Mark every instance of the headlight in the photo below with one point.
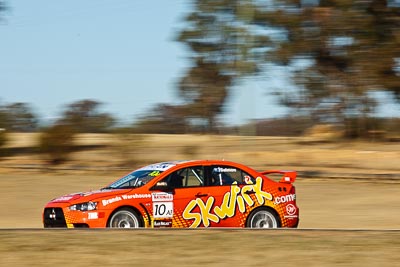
(84, 206)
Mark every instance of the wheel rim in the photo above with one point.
(124, 219)
(263, 219)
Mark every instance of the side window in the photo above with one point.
(187, 177)
(227, 175)
(194, 176)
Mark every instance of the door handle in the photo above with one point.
(201, 195)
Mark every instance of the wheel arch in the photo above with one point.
(132, 208)
(269, 208)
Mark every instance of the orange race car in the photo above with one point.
(198, 193)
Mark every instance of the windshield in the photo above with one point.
(135, 179)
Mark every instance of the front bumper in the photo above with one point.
(58, 217)
(54, 218)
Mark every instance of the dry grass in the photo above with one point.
(336, 203)
(303, 153)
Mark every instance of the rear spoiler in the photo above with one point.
(288, 176)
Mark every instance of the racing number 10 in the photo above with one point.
(163, 210)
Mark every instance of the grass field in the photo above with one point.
(346, 202)
(104, 152)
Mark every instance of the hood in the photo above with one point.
(88, 196)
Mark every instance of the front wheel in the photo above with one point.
(263, 218)
(124, 218)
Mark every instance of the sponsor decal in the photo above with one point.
(61, 199)
(105, 202)
(284, 199)
(93, 216)
(291, 211)
(163, 207)
(237, 197)
(162, 196)
(155, 173)
(136, 196)
(162, 183)
(219, 169)
(159, 166)
(163, 223)
(247, 179)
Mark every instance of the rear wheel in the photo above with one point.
(263, 218)
(125, 218)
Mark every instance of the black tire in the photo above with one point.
(125, 218)
(263, 218)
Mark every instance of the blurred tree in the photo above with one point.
(84, 117)
(3, 118)
(165, 119)
(3, 141)
(57, 142)
(3, 6)
(205, 90)
(3, 115)
(352, 48)
(386, 33)
(18, 117)
(129, 147)
(225, 47)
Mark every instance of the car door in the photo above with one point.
(225, 183)
(213, 202)
(186, 185)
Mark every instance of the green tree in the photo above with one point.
(224, 47)
(84, 116)
(353, 48)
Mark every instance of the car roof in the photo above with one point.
(166, 165)
(162, 166)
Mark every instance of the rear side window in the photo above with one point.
(227, 175)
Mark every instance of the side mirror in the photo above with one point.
(162, 186)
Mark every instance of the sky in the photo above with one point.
(121, 53)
